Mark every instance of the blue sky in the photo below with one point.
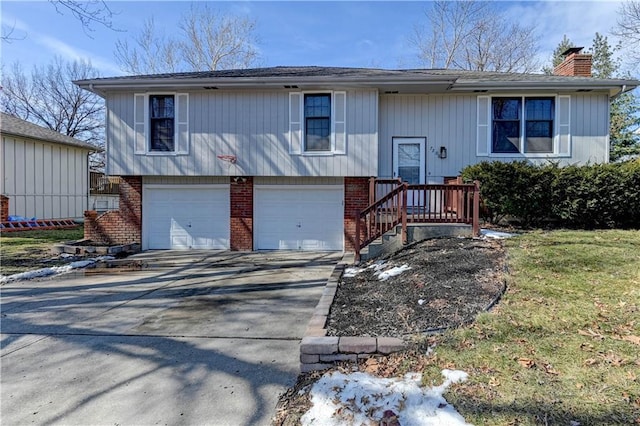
(352, 34)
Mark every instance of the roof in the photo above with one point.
(11, 125)
(402, 81)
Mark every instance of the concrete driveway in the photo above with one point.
(195, 338)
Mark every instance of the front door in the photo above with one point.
(409, 164)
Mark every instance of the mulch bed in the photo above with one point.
(451, 280)
(455, 278)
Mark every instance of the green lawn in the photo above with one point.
(24, 251)
(563, 345)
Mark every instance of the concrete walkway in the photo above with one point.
(207, 338)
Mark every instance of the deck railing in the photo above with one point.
(404, 204)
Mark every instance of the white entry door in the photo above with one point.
(409, 164)
(297, 217)
(185, 217)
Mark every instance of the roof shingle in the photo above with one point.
(14, 126)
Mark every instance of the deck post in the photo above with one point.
(372, 190)
(476, 209)
(403, 212)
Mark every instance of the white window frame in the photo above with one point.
(333, 121)
(556, 128)
(176, 125)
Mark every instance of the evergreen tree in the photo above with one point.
(557, 57)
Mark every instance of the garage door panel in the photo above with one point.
(299, 218)
(186, 217)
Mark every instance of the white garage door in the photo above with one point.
(299, 218)
(186, 217)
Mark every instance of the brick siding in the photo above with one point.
(356, 199)
(241, 221)
(122, 226)
(4, 208)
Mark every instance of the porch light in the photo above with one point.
(443, 152)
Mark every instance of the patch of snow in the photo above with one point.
(53, 270)
(488, 233)
(104, 258)
(359, 398)
(378, 265)
(396, 270)
(351, 272)
(421, 302)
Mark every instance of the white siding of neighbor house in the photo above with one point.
(44, 180)
(450, 121)
(253, 126)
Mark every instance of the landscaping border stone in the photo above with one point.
(319, 351)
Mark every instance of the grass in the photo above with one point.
(24, 251)
(563, 345)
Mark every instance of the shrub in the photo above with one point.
(592, 196)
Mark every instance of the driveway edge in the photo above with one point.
(319, 351)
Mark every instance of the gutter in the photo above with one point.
(623, 89)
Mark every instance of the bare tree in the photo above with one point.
(628, 27)
(207, 40)
(8, 34)
(151, 52)
(87, 12)
(214, 41)
(48, 97)
(469, 35)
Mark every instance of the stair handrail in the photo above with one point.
(399, 215)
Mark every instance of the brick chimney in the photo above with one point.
(575, 63)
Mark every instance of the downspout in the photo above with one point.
(622, 90)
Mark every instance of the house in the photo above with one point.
(45, 174)
(280, 158)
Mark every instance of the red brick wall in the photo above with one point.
(356, 199)
(120, 226)
(4, 208)
(241, 197)
(575, 64)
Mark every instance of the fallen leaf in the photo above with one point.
(633, 339)
(579, 385)
(590, 361)
(526, 362)
(591, 333)
(548, 368)
(494, 382)
(371, 365)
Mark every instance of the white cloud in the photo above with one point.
(578, 20)
(69, 52)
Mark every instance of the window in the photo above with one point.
(522, 125)
(317, 122)
(161, 123)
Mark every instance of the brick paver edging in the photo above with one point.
(319, 351)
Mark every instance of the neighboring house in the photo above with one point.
(280, 158)
(104, 192)
(45, 174)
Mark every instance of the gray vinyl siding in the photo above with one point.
(44, 180)
(266, 180)
(253, 126)
(450, 121)
(185, 180)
